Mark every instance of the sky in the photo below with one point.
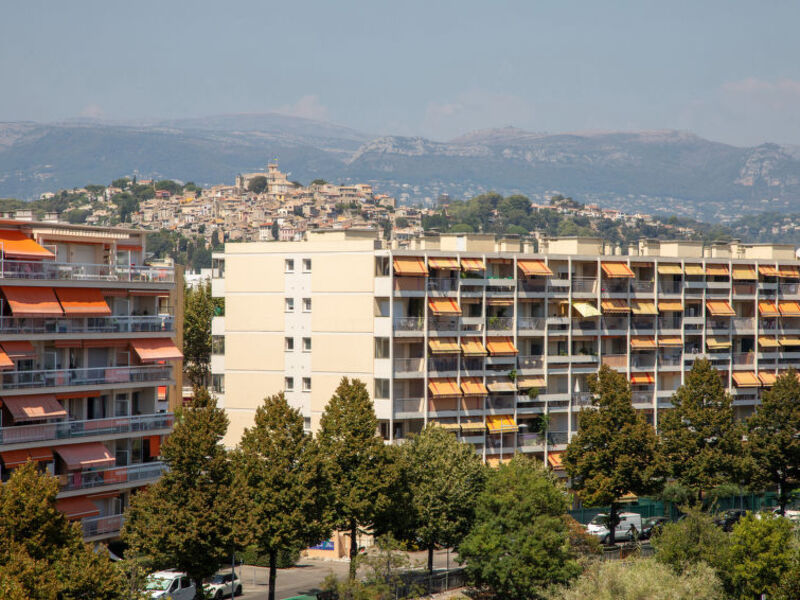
(726, 70)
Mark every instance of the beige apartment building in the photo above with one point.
(459, 329)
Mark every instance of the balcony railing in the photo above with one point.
(440, 365)
(526, 285)
(669, 360)
(744, 289)
(94, 526)
(744, 358)
(642, 397)
(642, 362)
(531, 439)
(611, 286)
(642, 287)
(558, 437)
(743, 324)
(500, 403)
(581, 399)
(584, 285)
(408, 365)
(120, 324)
(409, 405)
(531, 362)
(615, 322)
(669, 287)
(18, 380)
(535, 323)
(669, 323)
(84, 480)
(789, 289)
(23, 269)
(409, 323)
(616, 361)
(579, 325)
(500, 323)
(443, 324)
(442, 284)
(65, 430)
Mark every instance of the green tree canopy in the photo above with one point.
(257, 184)
(692, 540)
(615, 451)
(173, 187)
(121, 183)
(462, 228)
(197, 314)
(127, 204)
(519, 543)
(319, 182)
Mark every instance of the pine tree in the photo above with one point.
(615, 452)
(701, 441)
(184, 521)
(281, 477)
(444, 477)
(357, 468)
(773, 435)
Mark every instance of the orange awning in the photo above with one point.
(443, 345)
(531, 381)
(501, 424)
(643, 342)
(744, 272)
(501, 385)
(670, 269)
(555, 459)
(83, 302)
(152, 350)
(410, 265)
(472, 347)
(642, 379)
(746, 379)
(15, 458)
(767, 378)
(790, 272)
(534, 267)
(767, 308)
(644, 307)
(789, 309)
(670, 305)
(472, 264)
(442, 263)
(501, 346)
(669, 340)
(91, 455)
(718, 343)
(28, 301)
(694, 270)
(473, 386)
(445, 387)
(34, 408)
(77, 507)
(500, 301)
(720, 270)
(616, 269)
(615, 305)
(5, 361)
(15, 244)
(768, 342)
(444, 306)
(768, 270)
(720, 308)
(19, 350)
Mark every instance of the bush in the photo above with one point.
(286, 558)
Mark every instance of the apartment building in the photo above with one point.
(88, 363)
(459, 329)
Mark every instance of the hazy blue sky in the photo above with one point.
(727, 70)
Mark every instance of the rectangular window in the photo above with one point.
(307, 423)
(306, 344)
(289, 265)
(384, 428)
(217, 344)
(381, 347)
(306, 304)
(288, 384)
(306, 265)
(381, 307)
(289, 304)
(218, 383)
(288, 344)
(381, 266)
(306, 384)
(381, 388)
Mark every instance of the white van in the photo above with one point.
(170, 585)
(629, 527)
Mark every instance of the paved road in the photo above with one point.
(308, 575)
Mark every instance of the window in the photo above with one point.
(288, 344)
(289, 304)
(288, 383)
(307, 423)
(289, 265)
(306, 265)
(217, 344)
(381, 347)
(382, 307)
(384, 429)
(218, 383)
(306, 344)
(381, 388)
(306, 384)
(306, 304)
(381, 266)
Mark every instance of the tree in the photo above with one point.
(444, 477)
(197, 314)
(127, 204)
(615, 451)
(121, 183)
(77, 215)
(519, 543)
(701, 441)
(186, 519)
(692, 540)
(173, 187)
(462, 228)
(641, 579)
(401, 222)
(257, 184)
(42, 555)
(356, 463)
(281, 479)
(773, 435)
(319, 182)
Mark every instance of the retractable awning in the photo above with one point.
(444, 306)
(670, 306)
(91, 455)
(472, 264)
(435, 262)
(789, 308)
(411, 266)
(19, 350)
(501, 385)
(83, 302)
(745, 379)
(615, 305)
(767, 378)
(747, 272)
(768, 342)
(444, 388)
(788, 271)
(585, 309)
(670, 340)
(34, 408)
(694, 270)
(670, 270)
(156, 349)
(717, 270)
(720, 308)
(555, 460)
(534, 267)
(472, 347)
(642, 379)
(616, 269)
(643, 343)
(503, 346)
(28, 301)
(77, 507)
(473, 386)
(15, 244)
(718, 343)
(767, 308)
(501, 424)
(443, 345)
(500, 301)
(5, 361)
(528, 382)
(768, 270)
(789, 340)
(473, 426)
(15, 458)
(644, 307)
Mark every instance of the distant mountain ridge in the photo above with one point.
(661, 172)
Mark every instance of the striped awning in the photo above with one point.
(768, 342)
(746, 272)
(670, 305)
(670, 340)
(585, 309)
(503, 346)
(410, 266)
(767, 308)
(717, 270)
(472, 264)
(530, 268)
(616, 269)
(615, 305)
(720, 308)
(473, 386)
(642, 379)
(643, 342)
(715, 343)
(670, 270)
(745, 379)
(768, 270)
(443, 345)
(789, 308)
(789, 340)
(536, 381)
(767, 378)
(473, 426)
(435, 262)
(555, 460)
(694, 270)
(472, 347)
(644, 307)
(788, 271)
(501, 424)
(444, 388)
(444, 306)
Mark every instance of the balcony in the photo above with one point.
(70, 430)
(409, 365)
(500, 403)
(528, 440)
(96, 527)
(669, 288)
(584, 285)
(499, 323)
(558, 438)
(115, 476)
(442, 285)
(744, 289)
(744, 359)
(500, 287)
(443, 324)
(642, 361)
(442, 365)
(718, 325)
(585, 326)
(531, 323)
(58, 378)
(409, 405)
(416, 324)
(611, 287)
(532, 286)
(642, 397)
(616, 361)
(642, 287)
(643, 324)
(410, 284)
(669, 323)
(582, 399)
(789, 289)
(120, 324)
(615, 323)
(743, 324)
(559, 287)
(45, 270)
(531, 362)
(669, 360)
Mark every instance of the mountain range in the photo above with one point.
(659, 172)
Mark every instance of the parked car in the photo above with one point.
(628, 528)
(652, 525)
(223, 584)
(170, 585)
(729, 518)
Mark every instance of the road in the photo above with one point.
(308, 575)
